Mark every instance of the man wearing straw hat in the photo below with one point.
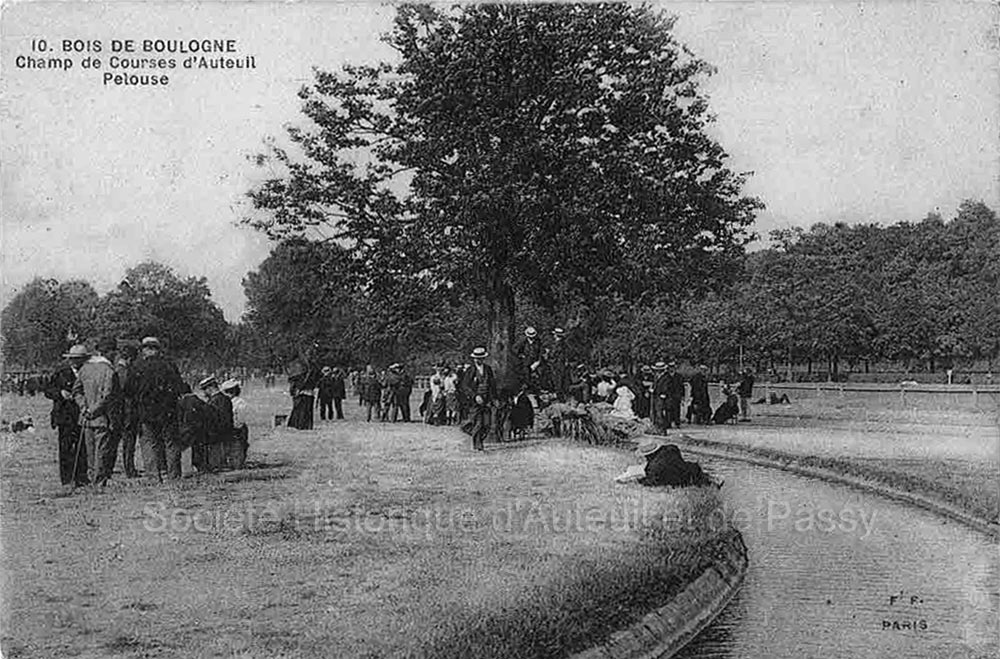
(65, 418)
(659, 400)
(480, 388)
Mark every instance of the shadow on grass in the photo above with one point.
(580, 607)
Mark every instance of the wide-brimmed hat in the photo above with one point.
(647, 449)
(530, 332)
(150, 341)
(393, 367)
(231, 383)
(79, 350)
(479, 353)
(660, 366)
(210, 381)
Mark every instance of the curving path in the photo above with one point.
(839, 573)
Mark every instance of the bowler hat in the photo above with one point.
(479, 353)
(79, 350)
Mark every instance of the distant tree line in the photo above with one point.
(923, 296)
(46, 316)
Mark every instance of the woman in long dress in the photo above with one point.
(303, 391)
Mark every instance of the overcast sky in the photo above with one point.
(878, 113)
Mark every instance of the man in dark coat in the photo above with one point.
(65, 418)
(325, 394)
(128, 421)
(558, 363)
(480, 389)
(675, 393)
(745, 391)
(155, 385)
(644, 392)
(528, 356)
(666, 467)
(339, 392)
(659, 399)
(701, 406)
(404, 389)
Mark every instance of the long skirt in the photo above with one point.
(302, 412)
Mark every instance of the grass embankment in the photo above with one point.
(353, 539)
(948, 455)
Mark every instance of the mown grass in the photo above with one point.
(362, 540)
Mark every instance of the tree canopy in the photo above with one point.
(550, 151)
(46, 316)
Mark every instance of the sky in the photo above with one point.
(843, 112)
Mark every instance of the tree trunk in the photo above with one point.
(500, 325)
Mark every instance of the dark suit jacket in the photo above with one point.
(64, 412)
(471, 381)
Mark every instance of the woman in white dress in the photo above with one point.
(623, 402)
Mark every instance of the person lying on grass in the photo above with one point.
(664, 466)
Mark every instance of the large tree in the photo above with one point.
(549, 150)
(44, 317)
(302, 295)
(153, 300)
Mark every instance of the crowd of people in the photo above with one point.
(542, 373)
(117, 396)
(107, 400)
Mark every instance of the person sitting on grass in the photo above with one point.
(664, 467)
(730, 407)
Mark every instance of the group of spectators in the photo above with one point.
(115, 396)
(541, 374)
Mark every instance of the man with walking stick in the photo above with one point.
(65, 418)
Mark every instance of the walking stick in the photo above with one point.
(76, 459)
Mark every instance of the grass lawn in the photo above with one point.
(948, 453)
(353, 539)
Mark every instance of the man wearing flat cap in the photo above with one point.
(155, 385)
(480, 388)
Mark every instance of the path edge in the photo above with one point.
(790, 463)
(666, 630)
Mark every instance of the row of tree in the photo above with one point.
(46, 316)
(922, 295)
(914, 295)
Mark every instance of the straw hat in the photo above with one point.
(647, 449)
(231, 383)
(79, 350)
(210, 381)
(530, 332)
(479, 353)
